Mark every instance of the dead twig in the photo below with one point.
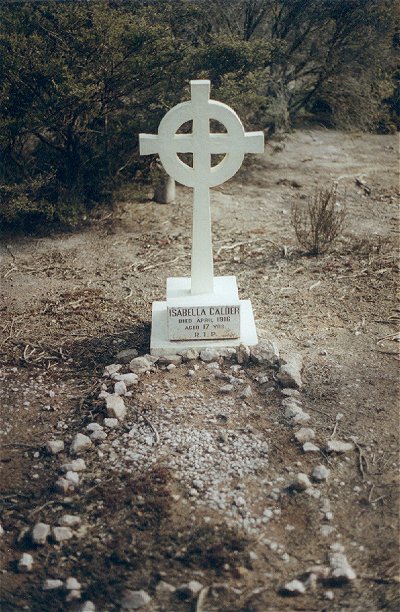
(361, 458)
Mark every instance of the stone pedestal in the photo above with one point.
(215, 320)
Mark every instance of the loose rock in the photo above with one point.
(243, 354)
(61, 534)
(289, 374)
(129, 379)
(126, 355)
(190, 590)
(54, 447)
(77, 465)
(50, 584)
(226, 389)
(72, 584)
(170, 359)
(111, 423)
(320, 473)
(98, 436)
(336, 446)
(63, 485)
(88, 606)
(69, 520)
(40, 533)
(294, 587)
(266, 352)
(342, 571)
(246, 393)
(189, 355)
(133, 600)
(72, 477)
(116, 407)
(208, 355)
(112, 369)
(309, 447)
(25, 564)
(120, 388)
(305, 434)
(165, 588)
(140, 365)
(301, 482)
(80, 443)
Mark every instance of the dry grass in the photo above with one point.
(319, 223)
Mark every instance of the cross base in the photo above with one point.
(215, 320)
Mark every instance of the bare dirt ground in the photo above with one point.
(70, 302)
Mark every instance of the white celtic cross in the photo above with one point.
(202, 144)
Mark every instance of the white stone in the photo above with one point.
(73, 594)
(226, 389)
(170, 360)
(165, 588)
(320, 473)
(246, 393)
(302, 417)
(305, 434)
(336, 446)
(295, 587)
(50, 584)
(94, 427)
(69, 520)
(191, 589)
(140, 365)
(243, 354)
(120, 388)
(115, 407)
(98, 436)
(77, 465)
(111, 423)
(301, 482)
(72, 477)
(342, 571)
(87, 606)
(266, 352)
(80, 443)
(72, 584)
(112, 369)
(189, 354)
(61, 534)
(209, 355)
(40, 533)
(25, 564)
(55, 446)
(129, 379)
(134, 600)
(63, 485)
(293, 410)
(309, 447)
(1, 531)
(289, 374)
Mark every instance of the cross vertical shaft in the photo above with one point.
(202, 272)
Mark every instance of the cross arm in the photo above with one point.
(148, 144)
(254, 142)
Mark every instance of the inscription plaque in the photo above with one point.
(204, 322)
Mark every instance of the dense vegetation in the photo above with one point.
(80, 80)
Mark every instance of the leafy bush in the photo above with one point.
(320, 222)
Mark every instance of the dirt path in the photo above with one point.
(70, 302)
